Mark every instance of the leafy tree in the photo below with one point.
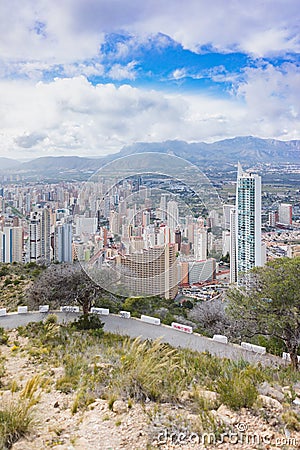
(64, 284)
(270, 305)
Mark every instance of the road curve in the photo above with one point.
(136, 328)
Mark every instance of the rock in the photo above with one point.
(119, 407)
(270, 402)
(184, 396)
(287, 391)
(269, 391)
(225, 415)
(211, 396)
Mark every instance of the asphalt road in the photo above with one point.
(135, 328)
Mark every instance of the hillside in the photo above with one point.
(69, 389)
(15, 280)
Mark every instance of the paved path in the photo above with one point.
(135, 328)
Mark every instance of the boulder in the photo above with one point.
(119, 407)
(269, 402)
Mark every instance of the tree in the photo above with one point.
(270, 305)
(64, 284)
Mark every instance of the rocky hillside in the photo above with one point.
(15, 279)
(68, 389)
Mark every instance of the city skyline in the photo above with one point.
(87, 78)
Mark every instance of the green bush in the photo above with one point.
(147, 370)
(15, 422)
(16, 416)
(89, 322)
(237, 389)
(3, 336)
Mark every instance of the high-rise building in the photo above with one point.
(45, 235)
(172, 215)
(200, 244)
(11, 244)
(34, 238)
(232, 246)
(152, 271)
(40, 236)
(285, 213)
(63, 242)
(248, 222)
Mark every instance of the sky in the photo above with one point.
(87, 77)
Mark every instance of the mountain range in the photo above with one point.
(248, 150)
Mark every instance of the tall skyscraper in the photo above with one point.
(232, 246)
(11, 244)
(247, 223)
(63, 242)
(39, 236)
(200, 243)
(285, 212)
(172, 215)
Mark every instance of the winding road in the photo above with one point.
(135, 327)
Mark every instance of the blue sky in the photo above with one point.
(86, 77)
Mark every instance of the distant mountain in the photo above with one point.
(247, 150)
(8, 164)
(61, 163)
(221, 155)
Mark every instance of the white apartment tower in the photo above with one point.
(39, 236)
(200, 244)
(232, 246)
(11, 245)
(285, 213)
(172, 215)
(247, 223)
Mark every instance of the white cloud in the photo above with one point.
(119, 72)
(71, 116)
(65, 31)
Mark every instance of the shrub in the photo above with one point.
(15, 422)
(16, 416)
(147, 370)
(88, 322)
(237, 389)
(3, 336)
(51, 318)
(292, 420)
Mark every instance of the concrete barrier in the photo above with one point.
(220, 338)
(22, 309)
(246, 346)
(149, 319)
(181, 327)
(259, 349)
(125, 314)
(72, 309)
(100, 311)
(287, 357)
